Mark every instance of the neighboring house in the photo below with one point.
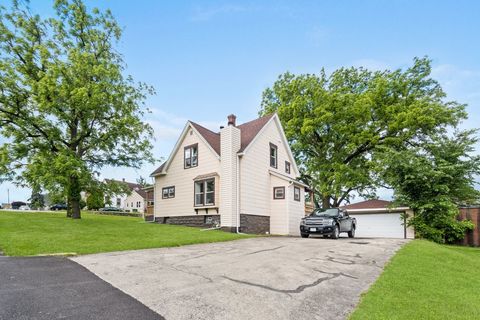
(241, 178)
(132, 202)
(378, 219)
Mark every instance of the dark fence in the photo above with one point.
(472, 238)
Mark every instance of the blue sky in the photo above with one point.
(207, 59)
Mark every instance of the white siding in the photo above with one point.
(278, 208)
(113, 201)
(134, 197)
(256, 191)
(296, 210)
(182, 179)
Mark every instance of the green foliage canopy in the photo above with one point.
(338, 124)
(66, 108)
(433, 178)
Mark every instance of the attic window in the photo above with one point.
(287, 167)
(273, 155)
(191, 156)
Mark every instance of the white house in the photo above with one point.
(131, 202)
(242, 178)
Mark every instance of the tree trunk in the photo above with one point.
(74, 198)
(69, 206)
(325, 202)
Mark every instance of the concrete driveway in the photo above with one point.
(260, 278)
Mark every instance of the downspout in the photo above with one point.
(238, 194)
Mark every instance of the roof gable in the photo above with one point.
(131, 185)
(211, 137)
(274, 118)
(207, 136)
(249, 130)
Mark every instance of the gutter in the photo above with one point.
(238, 195)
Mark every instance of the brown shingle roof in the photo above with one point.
(159, 169)
(132, 186)
(368, 204)
(248, 131)
(212, 138)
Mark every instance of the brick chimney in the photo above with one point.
(232, 120)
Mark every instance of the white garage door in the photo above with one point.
(379, 225)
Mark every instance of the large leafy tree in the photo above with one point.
(338, 124)
(66, 108)
(434, 177)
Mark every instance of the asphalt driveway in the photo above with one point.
(259, 278)
(57, 288)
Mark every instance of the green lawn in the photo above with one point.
(33, 233)
(425, 280)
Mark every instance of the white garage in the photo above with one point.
(376, 219)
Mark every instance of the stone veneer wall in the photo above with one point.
(201, 221)
(256, 224)
(249, 223)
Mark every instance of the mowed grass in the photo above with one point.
(425, 280)
(35, 233)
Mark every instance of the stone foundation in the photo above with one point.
(250, 223)
(200, 221)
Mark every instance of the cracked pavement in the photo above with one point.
(258, 278)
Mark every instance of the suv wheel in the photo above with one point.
(351, 233)
(304, 235)
(336, 232)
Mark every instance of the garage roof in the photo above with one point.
(369, 204)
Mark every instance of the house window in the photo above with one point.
(138, 204)
(287, 167)
(273, 155)
(191, 156)
(279, 193)
(168, 192)
(205, 192)
(119, 202)
(132, 204)
(296, 193)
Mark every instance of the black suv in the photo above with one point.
(328, 222)
(58, 206)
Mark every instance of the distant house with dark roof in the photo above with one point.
(243, 178)
(134, 201)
